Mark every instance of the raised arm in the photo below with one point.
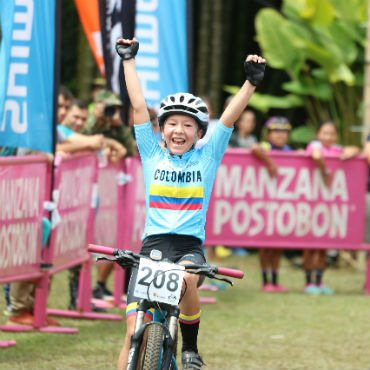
(127, 50)
(254, 67)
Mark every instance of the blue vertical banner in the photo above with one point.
(162, 62)
(27, 73)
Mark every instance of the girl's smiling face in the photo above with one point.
(180, 132)
(327, 134)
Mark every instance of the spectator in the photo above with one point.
(77, 115)
(278, 129)
(242, 136)
(106, 120)
(67, 97)
(325, 143)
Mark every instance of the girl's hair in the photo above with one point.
(327, 122)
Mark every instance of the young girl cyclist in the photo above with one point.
(178, 184)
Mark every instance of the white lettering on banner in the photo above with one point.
(238, 182)
(297, 202)
(18, 244)
(75, 186)
(17, 109)
(281, 218)
(19, 198)
(147, 61)
(71, 232)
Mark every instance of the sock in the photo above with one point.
(264, 277)
(308, 277)
(189, 326)
(319, 276)
(274, 277)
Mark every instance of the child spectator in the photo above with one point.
(242, 136)
(278, 129)
(325, 144)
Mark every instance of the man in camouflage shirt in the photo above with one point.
(105, 119)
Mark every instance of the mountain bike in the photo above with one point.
(159, 284)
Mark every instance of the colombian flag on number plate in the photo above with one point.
(176, 198)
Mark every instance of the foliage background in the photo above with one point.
(315, 51)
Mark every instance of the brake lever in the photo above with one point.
(210, 274)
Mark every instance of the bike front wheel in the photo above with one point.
(152, 352)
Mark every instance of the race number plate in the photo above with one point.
(159, 281)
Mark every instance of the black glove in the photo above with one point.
(127, 52)
(254, 72)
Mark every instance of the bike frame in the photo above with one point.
(168, 342)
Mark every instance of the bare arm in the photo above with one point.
(321, 165)
(259, 153)
(350, 152)
(134, 89)
(242, 97)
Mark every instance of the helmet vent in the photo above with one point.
(172, 99)
(182, 98)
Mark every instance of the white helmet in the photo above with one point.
(184, 103)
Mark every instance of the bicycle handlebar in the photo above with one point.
(112, 251)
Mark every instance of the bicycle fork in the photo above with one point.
(140, 327)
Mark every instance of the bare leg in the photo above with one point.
(190, 304)
(264, 258)
(275, 259)
(104, 269)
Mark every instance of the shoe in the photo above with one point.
(51, 322)
(325, 290)
(8, 310)
(100, 292)
(268, 288)
(24, 318)
(280, 288)
(191, 361)
(312, 289)
(222, 252)
(97, 309)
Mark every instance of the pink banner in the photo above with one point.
(109, 217)
(73, 194)
(22, 194)
(294, 210)
(134, 206)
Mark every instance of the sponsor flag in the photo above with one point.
(162, 61)
(163, 28)
(88, 11)
(27, 66)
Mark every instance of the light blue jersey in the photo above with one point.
(178, 189)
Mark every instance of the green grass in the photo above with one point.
(244, 330)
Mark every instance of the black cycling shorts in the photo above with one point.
(175, 248)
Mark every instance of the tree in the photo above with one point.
(320, 45)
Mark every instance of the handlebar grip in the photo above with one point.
(230, 272)
(100, 249)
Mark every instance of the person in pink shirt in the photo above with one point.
(324, 145)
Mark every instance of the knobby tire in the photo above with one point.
(153, 347)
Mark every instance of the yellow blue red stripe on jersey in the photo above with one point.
(176, 198)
